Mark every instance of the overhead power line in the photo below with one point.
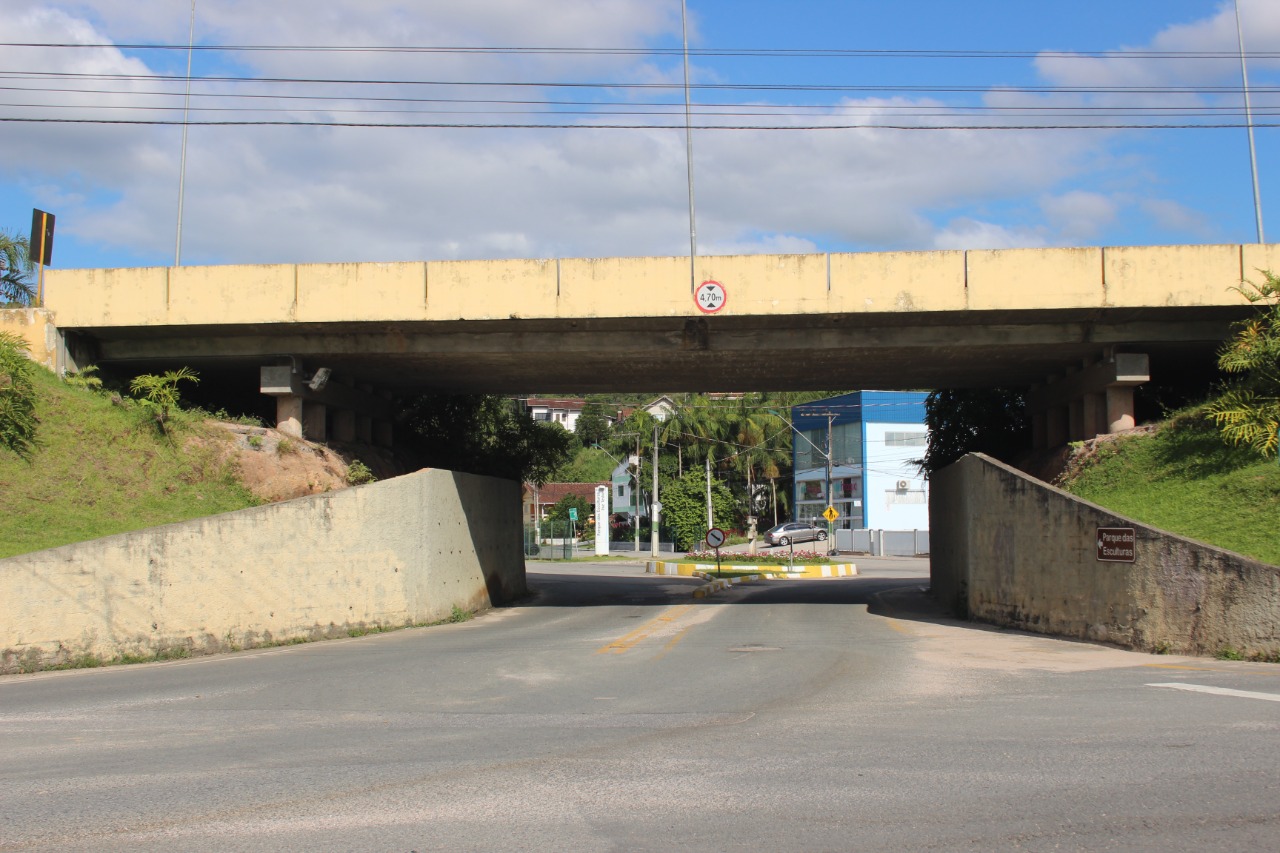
(781, 53)
(637, 126)
(623, 85)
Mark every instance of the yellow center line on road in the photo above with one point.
(673, 642)
(626, 643)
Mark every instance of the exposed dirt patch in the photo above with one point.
(278, 467)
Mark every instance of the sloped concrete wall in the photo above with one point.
(1011, 550)
(400, 552)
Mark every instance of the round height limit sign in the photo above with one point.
(710, 297)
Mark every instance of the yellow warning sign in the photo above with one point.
(831, 514)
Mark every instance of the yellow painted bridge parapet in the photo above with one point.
(582, 288)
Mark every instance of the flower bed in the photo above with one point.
(782, 558)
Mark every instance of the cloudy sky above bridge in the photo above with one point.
(821, 125)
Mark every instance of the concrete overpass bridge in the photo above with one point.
(1080, 327)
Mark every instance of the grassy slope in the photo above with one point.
(99, 470)
(1185, 479)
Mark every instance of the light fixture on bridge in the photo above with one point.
(320, 379)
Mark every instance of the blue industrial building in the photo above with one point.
(863, 467)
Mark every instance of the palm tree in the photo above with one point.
(15, 269)
(688, 427)
(763, 439)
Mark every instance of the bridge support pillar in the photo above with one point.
(315, 421)
(1096, 400)
(307, 407)
(289, 415)
(344, 425)
(1120, 408)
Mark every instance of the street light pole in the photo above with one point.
(1248, 120)
(182, 168)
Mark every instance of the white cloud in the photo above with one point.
(1079, 217)
(967, 233)
(1260, 25)
(767, 244)
(317, 193)
(1178, 218)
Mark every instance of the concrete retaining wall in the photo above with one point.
(400, 552)
(1011, 550)
(35, 327)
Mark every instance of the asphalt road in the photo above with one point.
(614, 712)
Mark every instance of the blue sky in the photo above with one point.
(327, 193)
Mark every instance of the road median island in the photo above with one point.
(728, 574)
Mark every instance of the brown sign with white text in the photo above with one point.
(1117, 544)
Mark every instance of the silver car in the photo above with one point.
(795, 531)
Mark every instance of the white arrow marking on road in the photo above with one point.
(1221, 691)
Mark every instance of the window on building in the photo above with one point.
(846, 446)
(906, 439)
(542, 416)
(622, 491)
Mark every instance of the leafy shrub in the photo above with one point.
(159, 395)
(84, 378)
(358, 474)
(18, 421)
(1249, 413)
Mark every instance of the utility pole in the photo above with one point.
(831, 533)
(656, 511)
(637, 495)
(710, 522)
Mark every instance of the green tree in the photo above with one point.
(484, 434)
(592, 425)
(589, 465)
(18, 421)
(1249, 413)
(688, 428)
(15, 270)
(984, 420)
(560, 512)
(684, 507)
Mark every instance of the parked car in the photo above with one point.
(795, 531)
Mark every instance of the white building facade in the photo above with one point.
(871, 440)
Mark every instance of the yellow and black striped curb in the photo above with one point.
(808, 572)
